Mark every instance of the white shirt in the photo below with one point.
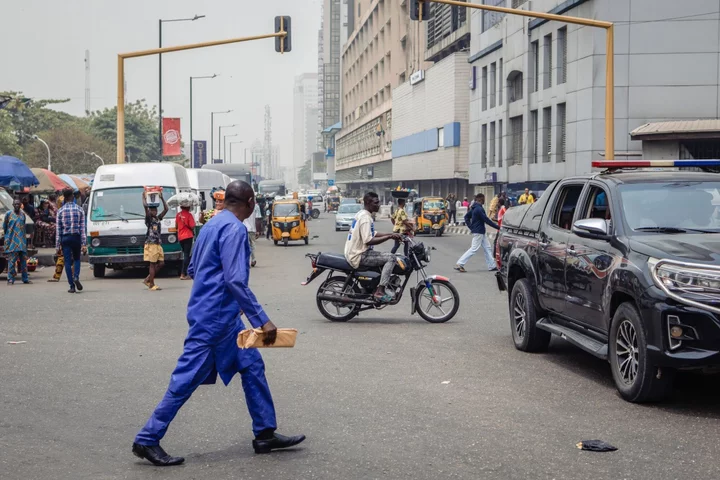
(362, 231)
(250, 222)
(257, 211)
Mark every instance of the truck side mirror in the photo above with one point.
(591, 228)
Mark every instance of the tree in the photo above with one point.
(29, 117)
(141, 130)
(8, 140)
(69, 147)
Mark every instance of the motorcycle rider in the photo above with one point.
(361, 240)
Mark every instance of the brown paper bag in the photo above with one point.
(253, 338)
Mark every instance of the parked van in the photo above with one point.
(116, 217)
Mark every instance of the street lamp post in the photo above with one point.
(219, 137)
(160, 22)
(212, 133)
(192, 147)
(35, 137)
(96, 156)
(225, 137)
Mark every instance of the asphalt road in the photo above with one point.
(371, 394)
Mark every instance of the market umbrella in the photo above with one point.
(81, 184)
(49, 182)
(69, 180)
(14, 174)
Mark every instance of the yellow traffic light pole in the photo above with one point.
(610, 55)
(156, 51)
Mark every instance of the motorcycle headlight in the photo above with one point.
(172, 238)
(95, 242)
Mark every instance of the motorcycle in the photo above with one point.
(346, 291)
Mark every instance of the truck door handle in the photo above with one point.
(543, 244)
(572, 251)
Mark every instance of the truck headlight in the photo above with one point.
(172, 238)
(689, 278)
(95, 242)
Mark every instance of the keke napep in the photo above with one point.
(288, 222)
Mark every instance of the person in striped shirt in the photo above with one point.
(70, 240)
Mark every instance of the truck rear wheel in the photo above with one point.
(635, 378)
(523, 320)
(99, 270)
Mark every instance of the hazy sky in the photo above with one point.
(43, 43)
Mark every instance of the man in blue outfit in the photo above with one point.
(476, 219)
(220, 267)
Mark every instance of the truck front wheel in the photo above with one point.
(635, 378)
(523, 319)
(98, 270)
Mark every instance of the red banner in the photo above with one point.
(171, 137)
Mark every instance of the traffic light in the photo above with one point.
(415, 10)
(283, 44)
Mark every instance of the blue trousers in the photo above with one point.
(13, 258)
(71, 245)
(186, 378)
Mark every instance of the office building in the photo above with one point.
(537, 112)
(305, 113)
(430, 140)
(381, 53)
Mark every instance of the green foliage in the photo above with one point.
(141, 130)
(70, 146)
(8, 140)
(31, 117)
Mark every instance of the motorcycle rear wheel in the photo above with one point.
(337, 312)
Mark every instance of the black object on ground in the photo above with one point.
(596, 446)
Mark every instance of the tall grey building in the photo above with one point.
(334, 35)
(537, 100)
(305, 113)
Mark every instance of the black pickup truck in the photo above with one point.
(624, 264)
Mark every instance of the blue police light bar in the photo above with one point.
(655, 163)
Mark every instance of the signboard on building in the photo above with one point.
(490, 177)
(417, 77)
(217, 160)
(331, 183)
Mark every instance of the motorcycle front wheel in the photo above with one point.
(336, 311)
(444, 309)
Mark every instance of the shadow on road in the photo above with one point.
(694, 394)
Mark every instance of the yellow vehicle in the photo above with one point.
(288, 222)
(430, 215)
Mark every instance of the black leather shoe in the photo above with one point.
(156, 455)
(276, 442)
(72, 290)
(78, 285)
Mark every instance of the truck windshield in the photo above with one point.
(672, 207)
(122, 204)
(6, 202)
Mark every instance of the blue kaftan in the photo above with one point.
(220, 268)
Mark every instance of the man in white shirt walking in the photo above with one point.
(250, 224)
(359, 246)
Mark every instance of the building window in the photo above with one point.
(562, 56)
(548, 62)
(561, 131)
(515, 92)
(517, 3)
(490, 19)
(502, 82)
(493, 85)
(534, 136)
(500, 143)
(547, 134)
(491, 145)
(441, 136)
(534, 66)
(516, 130)
(484, 88)
(483, 148)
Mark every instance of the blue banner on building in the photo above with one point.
(199, 153)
